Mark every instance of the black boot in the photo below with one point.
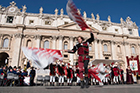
(87, 82)
(62, 84)
(53, 84)
(59, 84)
(82, 84)
(50, 83)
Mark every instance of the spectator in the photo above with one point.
(129, 78)
(15, 70)
(32, 76)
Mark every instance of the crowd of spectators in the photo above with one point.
(14, 76)
(60, 74)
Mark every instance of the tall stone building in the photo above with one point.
(21, 29)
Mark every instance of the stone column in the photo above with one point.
(60, 42)
(96, 49)
(40, 21)
(127, 48)
(1, 35)
(16, 49)
(100, 49)
(126, 52)
(22, 20)
(71, 46)
(37, 37)
(113, 50)
(10, 40)
(54, 42)
(0, 17)
(138, 49)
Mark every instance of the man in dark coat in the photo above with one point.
(32, 76)
(129, 78)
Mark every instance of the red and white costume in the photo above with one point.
(116, 74)
(60, 71)
(69, 75)
(52, 73)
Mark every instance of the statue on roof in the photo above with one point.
(97, 17)
(41, 10)
(13, 3)
(78, 10)
(61, 11)
(56, 11)
(24, 8)
(109, 19)
(128, 19)
(84, 15)
(92, 15)
(121, 19)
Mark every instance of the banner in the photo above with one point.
(133, 65)
(133, 62)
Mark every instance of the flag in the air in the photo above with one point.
(41, 57)
(75, 16)
(99, 72)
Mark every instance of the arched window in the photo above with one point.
(65, 45)
(6, 42)
(29, 43)
(46, 44)
(105, 48)
(119, 49)
(133, 50)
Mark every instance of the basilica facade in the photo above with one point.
(56, 31)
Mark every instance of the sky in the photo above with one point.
(113, 8)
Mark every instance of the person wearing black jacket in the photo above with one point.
(82, 49)
(32, 75)
(61, 73)
(52, 74)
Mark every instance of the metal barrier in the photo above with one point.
(16, 78)
(1, 80)
(46, 79)
(40, 78)
(10, 76)
(10, 79)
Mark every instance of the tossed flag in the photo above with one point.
(75, 16)
(99, 72)
(41, 57)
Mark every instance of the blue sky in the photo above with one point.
(113, 8)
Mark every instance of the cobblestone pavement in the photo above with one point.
(135, 88)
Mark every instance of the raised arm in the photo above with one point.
(91, 39)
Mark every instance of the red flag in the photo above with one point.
(75, 16)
